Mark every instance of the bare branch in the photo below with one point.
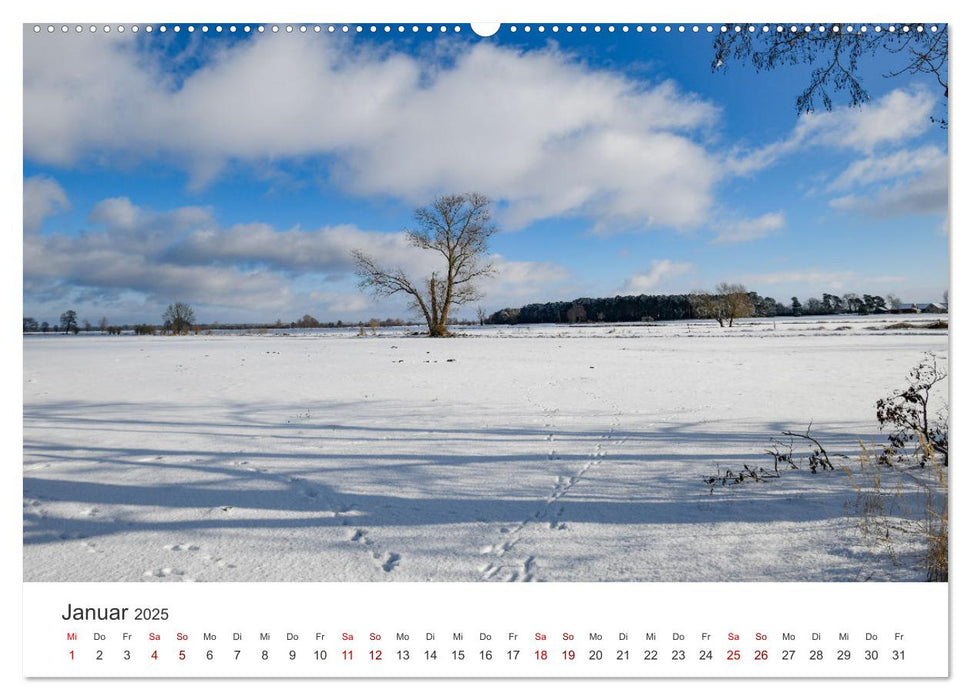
(836, 55)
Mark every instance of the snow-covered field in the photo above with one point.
(513, 453)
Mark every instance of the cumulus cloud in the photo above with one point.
(184, 254)
(890, 166)
(926, 194)
(898, 115)
(661, 271)
(248, 271)
(744, 230)
(326, 250)
(540, 131)
(116, 213)
(889, 120)
(902, 183)
(43, 197)
(518, 280)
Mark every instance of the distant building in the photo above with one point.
(906, 309)
(930, 308)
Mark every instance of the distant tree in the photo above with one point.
(796, 307)
(178, 318)
(45, 327)
(103, 324)
(852, 303)
(832, 304)
(813, 306)
(871, 304)
(480, 315)
(707, 305)
(458, 228)
(86, 324)
(730, 301)
(31, 325)
(736, 301)
(576, 314)
(762, 306)
(505, 316)
(69, 322)
(944, 297)
(893, 301)
(307, 321)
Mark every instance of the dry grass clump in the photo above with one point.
(904, 325)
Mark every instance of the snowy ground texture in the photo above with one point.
(543, 453)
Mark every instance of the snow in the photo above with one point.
(519, 453)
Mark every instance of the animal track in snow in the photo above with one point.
(165, 572)
(388, 560)
(182, 547)
(551, 510)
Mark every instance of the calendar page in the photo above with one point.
(526, 349)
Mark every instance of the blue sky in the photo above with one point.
(238, 172)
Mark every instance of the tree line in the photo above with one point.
(727, 303)
(179, 319)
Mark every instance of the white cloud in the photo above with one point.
(891, 119)
(519, 281)
(902, 183)
(239, 272)
(116, 213)
(340, 302)
(744, 230)
(539, 131)
(925, 194)
(891, 166)
(43, 197)
(327, 249)
(898, 115)
(661, 271)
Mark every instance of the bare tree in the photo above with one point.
(730, 301)
(707, 305)
(737, 301)
(179, 317)
(456, 226)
